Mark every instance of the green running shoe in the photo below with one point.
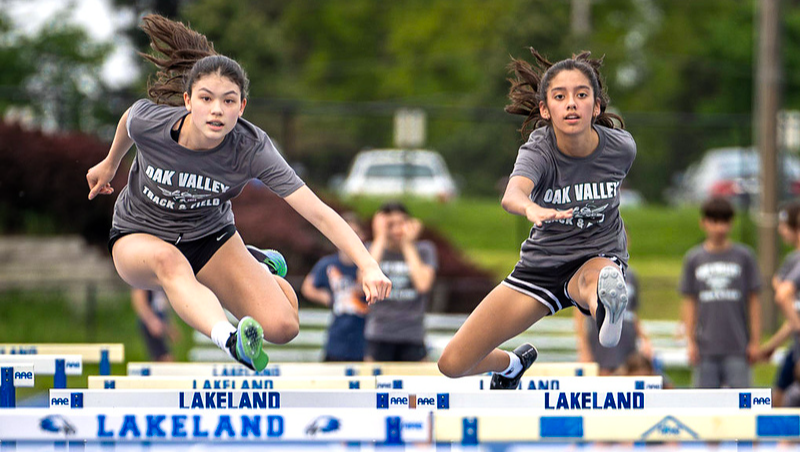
(273, 259)
(246, 343)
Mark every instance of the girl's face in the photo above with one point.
(215, 104)
(571, 104)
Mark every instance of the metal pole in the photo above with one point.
(767, 90)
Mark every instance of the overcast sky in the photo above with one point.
(96, 16)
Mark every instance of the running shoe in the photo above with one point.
(271, 258)
(612, 299)
(527, 354)
(245, 344)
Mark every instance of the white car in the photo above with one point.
(392, 172)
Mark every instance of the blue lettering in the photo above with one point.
(244, 402)
(638, 400)
(23, 375)
(221, 400)
(101, 427)
(207, 385)
(610, 403)
(586, 400)
(72, 364)
(224, 424)
(179, 426)
(574, 400)
(154, 426)
(274, 426)
(398, 400)
(59, 401)
(624, 400)
(426, 401)
(275, 400)
(562, 401)
(547, 405)
(197, 401)
(259, 400)
(129, 425)
(209, 401)
(197, 432)
(251, 425)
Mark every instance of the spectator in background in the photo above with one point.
(720, 284)
(784, 283)
(151, 309)
(633, 338)
(333, 282)
(395, 329)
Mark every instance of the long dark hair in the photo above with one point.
(530, 83)
(186, 56)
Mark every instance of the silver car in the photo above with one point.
(392, 172)
(732, 173)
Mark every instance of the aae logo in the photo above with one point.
(23, 375)
(398, 401)
(669, 428)
(59, 401)
(746, 400)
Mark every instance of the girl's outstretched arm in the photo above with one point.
(517, 200)
(99, 176)
(376, 285)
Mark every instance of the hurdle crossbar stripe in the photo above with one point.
(231, 369)
(231, 383)
(303, 425)
(91, 353)
(503, 426)
(428, 384)
(545, 401)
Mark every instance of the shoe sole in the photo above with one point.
(251, 335)
(271, 258)
(613, 293)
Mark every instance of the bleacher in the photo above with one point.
(554, 337)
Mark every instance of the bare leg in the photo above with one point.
(147, 262)
(503, 314)
(245, 287)
(582, 288)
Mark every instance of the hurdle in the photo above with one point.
(102, 354)
(411, 383)
(671, 425)
(59, 366)
(129, 426)
(232, 383)
(233, 369)
(543, 401)
(478, 383)
(14, 376)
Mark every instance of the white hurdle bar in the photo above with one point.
(233, 369)
(390, 383)
(103, 354)
(230, 383)
(12, 377)
(59, 366)
(669, 425)
(546, 401)
(301, 425)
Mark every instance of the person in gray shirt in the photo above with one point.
(566, 182)
(395, 329)
(720, 283)
(173, 226)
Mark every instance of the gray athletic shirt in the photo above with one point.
(721, 283)
(588, 185)
(174, 192)
(401, 316)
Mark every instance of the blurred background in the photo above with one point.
(332, 80)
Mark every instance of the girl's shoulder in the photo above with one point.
(618, 139)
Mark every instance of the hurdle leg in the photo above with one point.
(8, 396)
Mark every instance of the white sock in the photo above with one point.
(514, 366)
(220, 334)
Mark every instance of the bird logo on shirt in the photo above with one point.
(588, 215)
(183, 196)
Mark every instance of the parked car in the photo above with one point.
(391, 172)
(733, 173)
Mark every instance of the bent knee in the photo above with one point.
(450, 366)
(169, 262)
(283, 331)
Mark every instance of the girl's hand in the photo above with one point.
(375, 284)
(99, 179)
(538, 215)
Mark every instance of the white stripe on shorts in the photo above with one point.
(532, 295)
(534, 286)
